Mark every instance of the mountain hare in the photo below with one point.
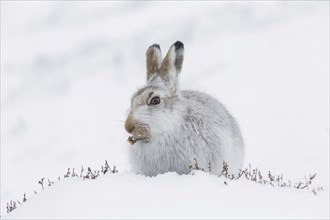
(172, 129)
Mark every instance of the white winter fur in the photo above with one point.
(183, 126)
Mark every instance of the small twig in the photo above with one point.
(24, 198)
(67, 173)
(209, 167)
(196, 164)
(81, 171)
(225, 169)
(114, 169)
(50, 183)
(73, 173)
(41, 182)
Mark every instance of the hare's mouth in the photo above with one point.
(132, 139)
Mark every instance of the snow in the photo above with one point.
(200, 196)
(68, 70)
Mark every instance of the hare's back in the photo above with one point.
(206, 104)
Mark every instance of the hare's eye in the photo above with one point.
(154, 101)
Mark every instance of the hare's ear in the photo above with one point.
(154, 59)
(172, 64)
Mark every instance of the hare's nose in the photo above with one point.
(129, 124)
(129, 128)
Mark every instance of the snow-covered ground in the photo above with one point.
(68, 70)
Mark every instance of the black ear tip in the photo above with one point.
(155, 45)
(178, 45)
